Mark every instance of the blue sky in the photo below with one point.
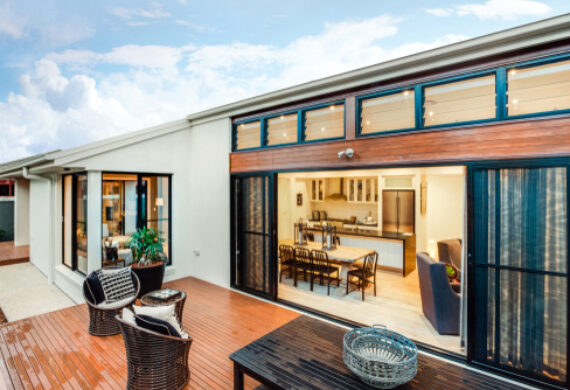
(73, 72)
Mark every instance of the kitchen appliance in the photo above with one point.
(398, 211)
(338, 195)
(323, 215)
(316, 215)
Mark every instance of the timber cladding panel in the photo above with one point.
(541, 137)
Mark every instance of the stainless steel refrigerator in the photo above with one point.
(398, 211)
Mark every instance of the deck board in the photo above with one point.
(55, 351)
(10, 254)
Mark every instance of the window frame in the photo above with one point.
(388, 92)
(300, 126)
(74, 262)
(140, 222)
(528, 65)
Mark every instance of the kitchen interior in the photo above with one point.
(394, 212)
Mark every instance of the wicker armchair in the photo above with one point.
(155, 361)
(101, 319)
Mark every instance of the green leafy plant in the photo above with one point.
(451, 273)
(146, 246)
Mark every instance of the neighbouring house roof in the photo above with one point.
(529, 35)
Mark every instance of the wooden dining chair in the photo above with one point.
(287, 260)
(322, 267)
(303, 263)
(365, 275)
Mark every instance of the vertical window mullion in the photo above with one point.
(300, 126)
(419, 106)
(263, 132)
(501, 90)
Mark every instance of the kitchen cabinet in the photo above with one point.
(362, 189)
(317, 190)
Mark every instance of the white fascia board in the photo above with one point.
(542, 32)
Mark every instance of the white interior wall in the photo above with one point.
(21, 212)
(445, 208)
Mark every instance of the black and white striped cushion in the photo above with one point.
(117, 284)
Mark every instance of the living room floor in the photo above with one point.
(397, 306)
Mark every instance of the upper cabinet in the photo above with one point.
(317, 190)
(362, 189)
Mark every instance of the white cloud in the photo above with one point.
(496, 9)
(162, 83)
(195, 26)
(11, 24)
(440, 11)
(150, 56)
(129, 13)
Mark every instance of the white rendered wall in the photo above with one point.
(22, 212)
(40, 224)
(207, 224)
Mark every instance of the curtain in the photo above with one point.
(526, 262)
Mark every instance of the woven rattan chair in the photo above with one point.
(102, 320)
(155, 361)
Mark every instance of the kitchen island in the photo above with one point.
(396, 251)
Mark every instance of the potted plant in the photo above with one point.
(148, 263)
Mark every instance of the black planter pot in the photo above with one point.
(150, 277)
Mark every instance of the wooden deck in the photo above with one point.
(54, 350)
(10, 254)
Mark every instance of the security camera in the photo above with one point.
(348, 153)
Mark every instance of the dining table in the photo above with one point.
(345, 256)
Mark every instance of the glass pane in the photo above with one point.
(156, 207)
(539, 89)
(462, 101)
(119, 214)
(248, 135)
(67, 220)
(81, 233)
(525, 322)
(390, 112)
(253, 204)
(327, 122)
(282, 130)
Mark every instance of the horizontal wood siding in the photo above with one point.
(544, 137)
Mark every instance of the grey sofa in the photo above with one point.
(440, 303)
(449, 252)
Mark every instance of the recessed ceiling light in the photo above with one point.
(515, 101)
(406, 93)
(322, 129)
(367, 122)
(282, 117)
(431, 113)
(514, 71)
(332, 108)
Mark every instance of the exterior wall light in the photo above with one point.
(348, 153)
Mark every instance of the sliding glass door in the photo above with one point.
(253, 234)
(75, 221)
(519, 270)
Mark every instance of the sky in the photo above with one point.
(73, 72)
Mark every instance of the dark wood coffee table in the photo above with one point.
(307, 354)
(178, 301)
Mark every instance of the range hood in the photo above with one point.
(339, 195)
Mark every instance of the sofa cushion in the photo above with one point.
(93, 289)
(165, 312)
(117, 284)
(156, 325)
(128, 316)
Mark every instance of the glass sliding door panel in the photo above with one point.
(68, 220)
(81, 222)
(253, 225)
(521, 270)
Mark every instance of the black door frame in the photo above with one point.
(237, 234)
(469, 165)
(471, 294)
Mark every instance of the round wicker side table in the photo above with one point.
(178, 301)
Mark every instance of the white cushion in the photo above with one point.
(115, 304)
(129, 316)
(165, 313)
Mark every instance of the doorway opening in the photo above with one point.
(379, 221)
